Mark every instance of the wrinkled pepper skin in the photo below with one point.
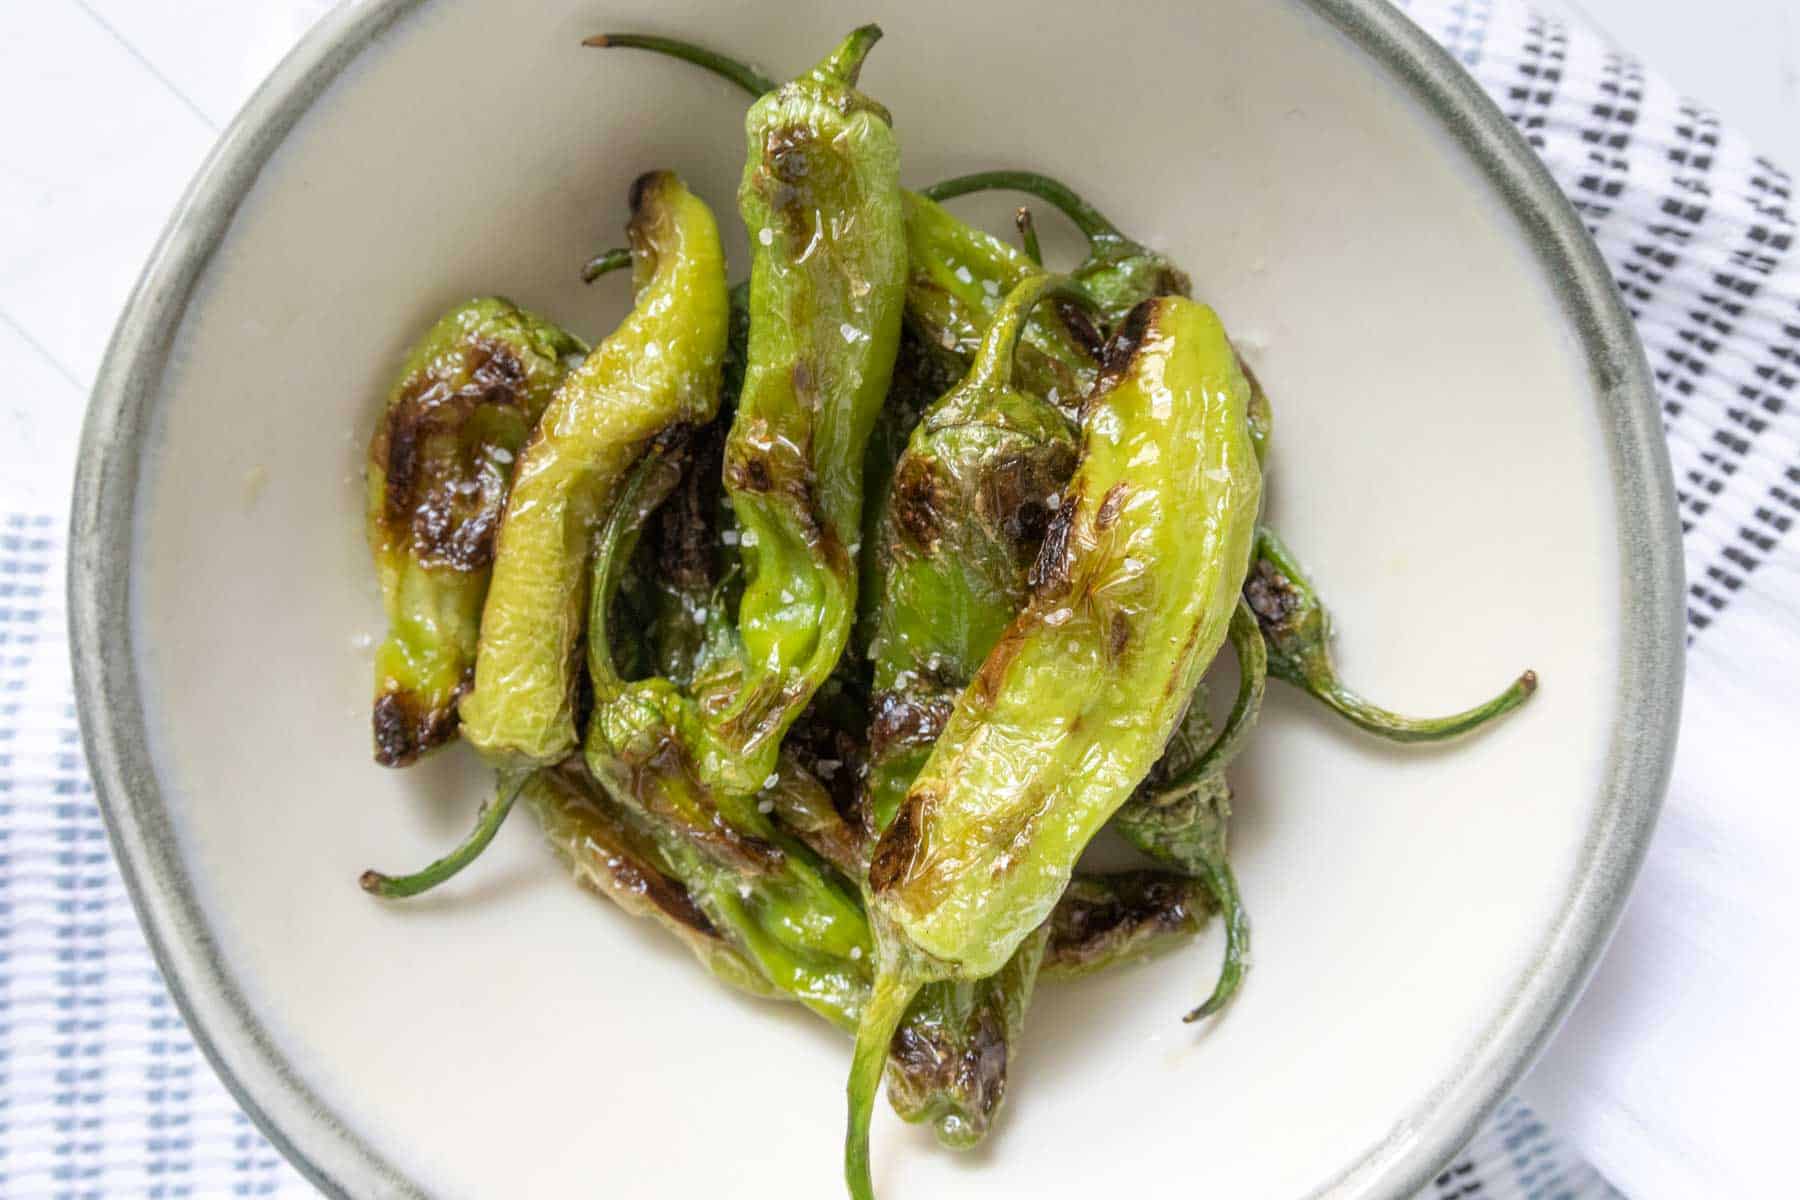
(440, 463)
(820, 196)
(966, 514)
(947, 1061)
(970, 502)
(659, 369)
(1131, 598)
(821, 200)
(1102, 921)
(1297, 629)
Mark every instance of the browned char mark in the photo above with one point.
(404, 728)
(1273, 597)
(437, 499)
(1096, 918)
(899, 846)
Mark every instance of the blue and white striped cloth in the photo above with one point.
(103, 1094)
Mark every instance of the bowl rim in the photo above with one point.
(339, 1161)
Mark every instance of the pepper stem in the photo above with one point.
(993, 365)
(1222, 883)
(894, 989)
(605, 262)
(740, 73)
(1253, 676)
(1028, 235)
(843, 65)
(493, 815)
(1398, 728)
(1099, 231)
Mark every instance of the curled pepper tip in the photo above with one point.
(1221, 881)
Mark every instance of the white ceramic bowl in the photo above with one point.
(1467, 454)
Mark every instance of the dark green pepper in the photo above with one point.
(1297, 629)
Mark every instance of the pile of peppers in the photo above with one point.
(826, 619)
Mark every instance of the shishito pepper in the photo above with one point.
(660, 369)
(1131, 598)
(970, 501)
(440, 463)
(969, 504)
(1297, 629)
(820, 196)
(957, 274)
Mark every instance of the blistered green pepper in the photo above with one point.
(659, 369)
(970, 502)
(439, 466)
(956, 274)
(1297, 629)
(820, 197)
(1132, 595)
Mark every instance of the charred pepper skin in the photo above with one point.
(439, 467)
(971, 499)
(1103, 921)
(1297, 628)
(821, 199)
(661, 368)
(1131, 598)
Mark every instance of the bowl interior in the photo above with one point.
(1441, 463)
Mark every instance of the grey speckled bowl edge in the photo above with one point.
(340, 1162)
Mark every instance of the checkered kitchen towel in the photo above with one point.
(102, 1093)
